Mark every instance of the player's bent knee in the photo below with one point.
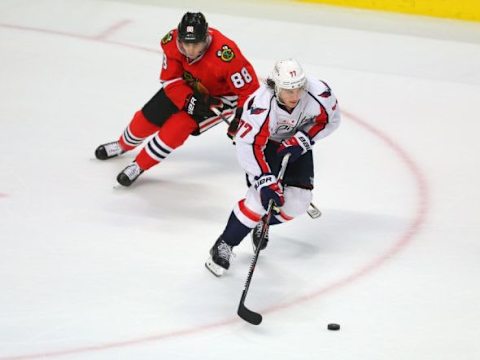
(253, 202)
(297, 201)
(177, 129)
(159, 108)
(245, 215)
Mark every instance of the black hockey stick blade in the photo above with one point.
(248, 315)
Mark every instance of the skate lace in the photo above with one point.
(132, 171)
(113, 148)
(224, 251)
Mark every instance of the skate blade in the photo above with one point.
(118, 186)
(314, 213)
(214, 268)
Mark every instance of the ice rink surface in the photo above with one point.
(89, 271)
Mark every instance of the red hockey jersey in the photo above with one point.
(221, 70)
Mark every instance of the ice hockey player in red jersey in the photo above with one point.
(201, 69)
(286, 115)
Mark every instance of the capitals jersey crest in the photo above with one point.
(256, 111)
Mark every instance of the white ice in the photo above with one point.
(89, 271)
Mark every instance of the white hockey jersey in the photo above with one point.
(316, 114)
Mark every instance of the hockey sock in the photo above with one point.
(274, 221)
(154, 152)
(138, 129)
(280, 218)
(235, 231)
(170, 136)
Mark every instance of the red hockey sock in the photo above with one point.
(171, 135)
(138, 129)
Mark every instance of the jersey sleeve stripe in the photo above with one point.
(321, 120)
(166, 83)
(259, 143)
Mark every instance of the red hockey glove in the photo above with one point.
(269, 188)
(297, 145)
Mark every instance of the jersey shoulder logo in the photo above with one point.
(256, 111)
(226, 53)
(167, 38)
(325, 94)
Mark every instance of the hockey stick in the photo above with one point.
(313, 211)
(248, 315)
(219, 113)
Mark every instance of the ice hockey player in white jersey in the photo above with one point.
(289, 113)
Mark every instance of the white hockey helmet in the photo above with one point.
(288, 74)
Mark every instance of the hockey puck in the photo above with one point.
(333, 327)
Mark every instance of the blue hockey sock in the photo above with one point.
(274, 221)
(235, 231)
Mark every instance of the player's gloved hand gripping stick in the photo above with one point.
(313, 211)
(246, 314)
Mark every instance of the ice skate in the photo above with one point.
(220, 255)
(257, 234)
(108, 150)
(129, 174)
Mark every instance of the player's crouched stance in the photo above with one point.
(189, 89)
(286, 115)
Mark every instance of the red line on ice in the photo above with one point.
(79, 36)
(115, 27)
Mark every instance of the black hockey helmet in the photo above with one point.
(192, 28)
